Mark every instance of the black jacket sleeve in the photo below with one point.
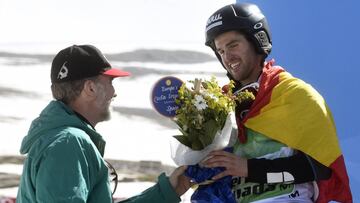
(299, 168)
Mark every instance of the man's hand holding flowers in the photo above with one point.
(234, 165)
(204, 121)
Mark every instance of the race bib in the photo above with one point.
(249, 192)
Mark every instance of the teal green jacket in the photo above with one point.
(65, 163)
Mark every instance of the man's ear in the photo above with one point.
(89, 89)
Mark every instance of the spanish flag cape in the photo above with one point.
(290, 111)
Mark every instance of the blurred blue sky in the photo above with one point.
(317, 41)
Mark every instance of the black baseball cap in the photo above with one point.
(81, 61)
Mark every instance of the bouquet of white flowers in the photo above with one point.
(204, 119)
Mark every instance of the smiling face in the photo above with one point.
(239, 56)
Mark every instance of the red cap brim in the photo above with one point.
(114, 72)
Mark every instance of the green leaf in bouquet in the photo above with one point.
(199, 126)
(205, 139)
(179, 123)
(210, 129)
(183, 132)
(183, 140)
(193, 135)
(194, 138)
(197, 145)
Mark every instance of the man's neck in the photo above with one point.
(83, 119)
(254, 79)
(84, 112)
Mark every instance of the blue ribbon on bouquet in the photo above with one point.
(216, 192)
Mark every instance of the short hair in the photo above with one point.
(70, 90)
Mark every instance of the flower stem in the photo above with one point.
(197, 84)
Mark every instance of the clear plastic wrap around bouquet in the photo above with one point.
(204, 119)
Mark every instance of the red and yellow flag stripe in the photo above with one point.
(292, 112)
